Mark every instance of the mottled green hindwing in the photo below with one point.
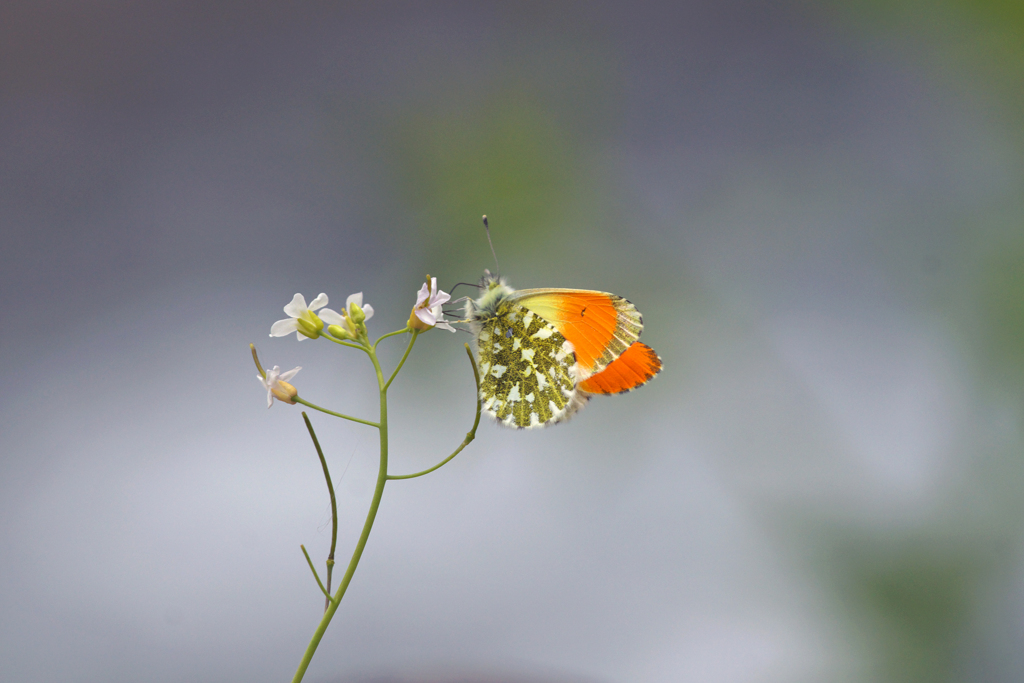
(527, 368)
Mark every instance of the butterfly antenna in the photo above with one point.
(495, 255)
(463, 284)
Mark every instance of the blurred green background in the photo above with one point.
(816, 206)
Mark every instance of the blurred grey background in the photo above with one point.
(816, 205)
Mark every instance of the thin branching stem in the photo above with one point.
(389, 334)
(334, 507)
(412, 340)
(371, 515)
(342, 342)
(334, 601)
(315, 575)
(331, 412)
(469, 435)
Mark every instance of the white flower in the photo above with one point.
(303, 321)
(428, 306)
(277, 386)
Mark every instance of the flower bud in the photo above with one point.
(355, 313)
(339, 332)
(309, 324)
(283, 391)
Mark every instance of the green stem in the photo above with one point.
(389, 334)
(469, 435)
(315, 575)
(334, 602)
(334, 509)
(340, 593)
(371, 515)
(331, 412)
(342, 343)
(412, 340)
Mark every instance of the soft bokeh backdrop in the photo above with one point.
(816, 205)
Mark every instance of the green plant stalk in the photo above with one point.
(315, 575)
(334, 511)
(314, 406)
(380, 376)
(371, 515)
(389, 334)
(333, 603)
(470, 435)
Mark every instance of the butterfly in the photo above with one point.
(542, 353)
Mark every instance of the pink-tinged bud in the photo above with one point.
(283, 391)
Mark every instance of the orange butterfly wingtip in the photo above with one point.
(634, 367)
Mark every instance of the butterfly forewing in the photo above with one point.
(528, 372)
(600, 326)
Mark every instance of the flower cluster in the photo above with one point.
(305, 322)
(308, 322)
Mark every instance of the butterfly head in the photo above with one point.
(493, 290)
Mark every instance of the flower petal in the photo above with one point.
(422, 295)
(439, 314)
(368, 310)
(331, 317)
(319, 302)
(426, 316)
(296, 307)
(266, 385)
(286, 376)
(283, 328)
(356, 298)
(439, 298)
